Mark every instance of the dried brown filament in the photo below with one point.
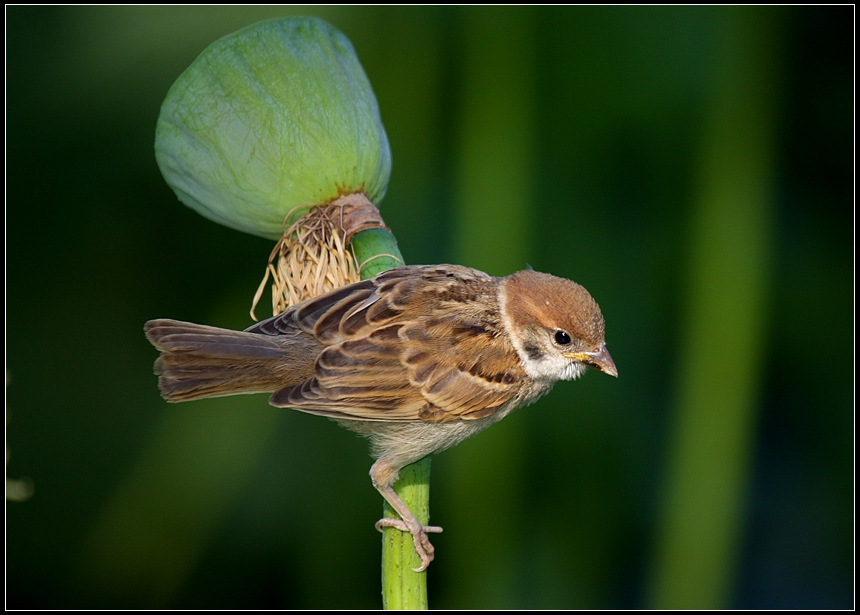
(313, 256)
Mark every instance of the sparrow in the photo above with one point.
(417, 359)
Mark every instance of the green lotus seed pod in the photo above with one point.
(270, 120)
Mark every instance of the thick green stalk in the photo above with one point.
(723, 339)
(402, 588)
(376, 251)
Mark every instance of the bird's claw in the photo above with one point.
(419, 533)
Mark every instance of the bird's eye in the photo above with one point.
(562, 337)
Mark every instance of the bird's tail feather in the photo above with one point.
(199, 361)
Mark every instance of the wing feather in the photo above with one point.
(414, 343)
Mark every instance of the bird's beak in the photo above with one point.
(598, 359)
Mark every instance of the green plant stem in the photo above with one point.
(723, 341)
(402, 588)
(376, 251)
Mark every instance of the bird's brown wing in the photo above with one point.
(305, 315)
(464, 371)
(415, 343)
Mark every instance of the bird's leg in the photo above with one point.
(408, 523)
(383, 476)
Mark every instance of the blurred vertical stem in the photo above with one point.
(402, 588)
(723, 337)
(494, 199)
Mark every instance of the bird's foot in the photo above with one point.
(419, 533)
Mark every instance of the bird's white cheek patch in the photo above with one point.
(572, 371)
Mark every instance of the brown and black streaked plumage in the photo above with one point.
(417, 359)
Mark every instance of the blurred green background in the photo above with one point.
(692, 167)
